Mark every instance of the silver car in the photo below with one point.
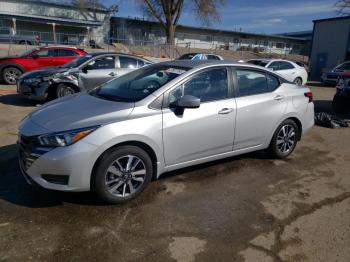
(81, 74)
(116, 138)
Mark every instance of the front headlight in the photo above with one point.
(58, 75)
(64, 138)
(32, 80)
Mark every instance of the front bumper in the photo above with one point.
(35, 92)
(74, 162)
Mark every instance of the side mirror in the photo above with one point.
(84, 69)
(187, 101)
(35, 56)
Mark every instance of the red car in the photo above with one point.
(12, 68)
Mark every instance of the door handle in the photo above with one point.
(112, 74)
(225, 111)
(278, 97)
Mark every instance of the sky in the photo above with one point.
(258, 16)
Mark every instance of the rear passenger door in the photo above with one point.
(260, 106)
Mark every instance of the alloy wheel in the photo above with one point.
(11, 75)
(298, 81)
(65, 91)
(286, 139)
(125, 176)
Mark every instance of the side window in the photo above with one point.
(208, 86)
(251, 82)
(63, 52)
(274, 66)
(286, 65)
(53, 52)
(43, 53)
(272, 82)
(212, 57)
(127, 62)
(140, 63)
(107, 62)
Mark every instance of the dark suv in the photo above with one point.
(11, 68)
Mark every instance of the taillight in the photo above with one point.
(310, 96)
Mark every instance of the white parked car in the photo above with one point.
(288, 69)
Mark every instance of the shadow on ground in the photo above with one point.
(14, 188)
(17, 100)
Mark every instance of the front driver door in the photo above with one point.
(204, 131)
(97, 72)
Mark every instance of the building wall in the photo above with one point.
(139, 32)
(329, 45)
(32, 8)
(52, 11)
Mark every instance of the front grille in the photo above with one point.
(26, 154)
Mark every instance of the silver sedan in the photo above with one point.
(116, 138)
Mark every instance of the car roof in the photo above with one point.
(269, 59)
(202, 63)
(94, 54)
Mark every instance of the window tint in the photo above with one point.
(208, 86)
(274, 66)
(140, 63)
(213, 57)
(107, 62)
(344, 66)
(43, 53)
(285, 65)
(251, 82)
(53, 52)
(63, 52)
(272, 82)
(127, 62)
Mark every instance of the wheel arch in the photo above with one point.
(52, 88)
(147, 148)
(291, 117)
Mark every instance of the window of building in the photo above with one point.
(279, 45)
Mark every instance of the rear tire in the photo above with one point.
(284, 139)
(11, 74)
(298, 81)
(122, 174)
(341, 104)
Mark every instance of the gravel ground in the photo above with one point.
(247, 208)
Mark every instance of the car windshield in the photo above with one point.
(257, 62)
(344, 66)
(77, 62)
(138, 84)
(28, 52)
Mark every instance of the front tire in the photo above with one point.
(64, 90)
(122, 174)
(284, 139)
(10, 75)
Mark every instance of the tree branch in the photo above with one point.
(155, 13)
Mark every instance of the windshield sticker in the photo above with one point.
(175, 71)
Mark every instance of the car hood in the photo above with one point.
(78, 111)
(47, 71)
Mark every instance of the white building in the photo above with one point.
(143, 32)
(54, 21)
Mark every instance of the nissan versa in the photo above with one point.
(116, 138)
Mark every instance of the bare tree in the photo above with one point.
(168, 12)
(343, 7)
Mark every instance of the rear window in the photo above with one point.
(258, 62)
